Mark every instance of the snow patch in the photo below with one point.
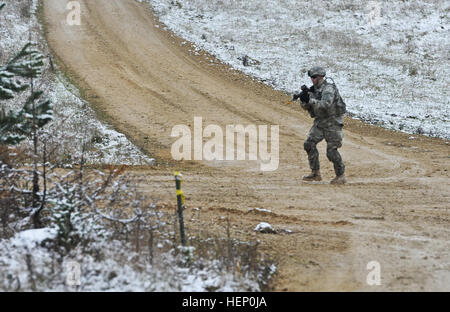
(260, 210)
(264, 227)
(31, 238)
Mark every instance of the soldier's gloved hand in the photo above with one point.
(295, 96)
(304, 97)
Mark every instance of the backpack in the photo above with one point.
(341, 107)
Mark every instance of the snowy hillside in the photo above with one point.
(389, 58)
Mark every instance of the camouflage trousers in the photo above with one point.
(333, 135)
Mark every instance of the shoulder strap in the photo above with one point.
(331, 80)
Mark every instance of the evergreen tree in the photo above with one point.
(16, 126)
(65, 214)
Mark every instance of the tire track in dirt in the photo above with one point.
(144, 81)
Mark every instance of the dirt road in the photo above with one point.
(395, 209)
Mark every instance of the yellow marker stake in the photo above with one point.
(178, 176)
(180, 203)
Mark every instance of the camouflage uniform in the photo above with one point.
(328, 125)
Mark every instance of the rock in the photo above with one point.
(264, 227)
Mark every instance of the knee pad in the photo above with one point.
(308, 146)
(332, 153)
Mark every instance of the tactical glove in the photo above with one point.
(295, 96)
(304, 97)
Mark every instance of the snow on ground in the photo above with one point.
(264, 227)
(31, 238)
(389, 58)
(26, 265)
(75, 121)
(29, 260)
(260, 210)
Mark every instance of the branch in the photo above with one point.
(122, 221)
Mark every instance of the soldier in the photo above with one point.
(324, 103)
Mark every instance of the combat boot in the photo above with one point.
(313, 176)
(340, 179)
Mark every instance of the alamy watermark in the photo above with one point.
(223, 146)
(374, 276)
(72, 271)
(373, 16)
(74, 16)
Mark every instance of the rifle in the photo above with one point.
(296, 96)
(306, 106)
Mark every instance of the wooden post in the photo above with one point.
(180, 202)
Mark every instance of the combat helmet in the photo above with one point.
(316, 71)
